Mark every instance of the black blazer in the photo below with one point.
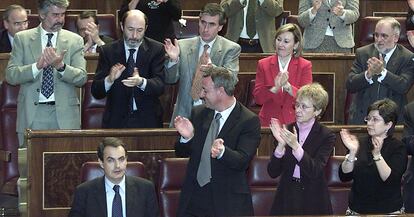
(241, 135)
(318, 148)
(408, 139)
(409, 25)
(5, 46)
(160, 19)
(150, 64)
(90, 198)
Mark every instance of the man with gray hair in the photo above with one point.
(48, 64)
(383, 69)
(14, 20)
(220, 138)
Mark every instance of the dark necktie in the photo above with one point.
(383, 58)
(251, 18)
(198, 75)
(129, 71)
(117, 203)
(204, 168)
(130, 62)
(47, 76)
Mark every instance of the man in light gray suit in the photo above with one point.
(184, 59)
(48, 64)
(31, 57)
(328, 25)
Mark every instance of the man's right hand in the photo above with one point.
(411, 4)
(172, 50)
(133, 4)
(184, 127)
(115, 73)
(316, 4)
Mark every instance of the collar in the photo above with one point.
(109, 185)
(136, 48)
(226, 113)
(306, 126)
(202, 43)
(389, 54)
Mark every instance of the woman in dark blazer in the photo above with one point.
(302, 151)
(375, 163)
(280, 76)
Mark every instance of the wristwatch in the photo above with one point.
(350, 160)
(378, 158)
(61, 69)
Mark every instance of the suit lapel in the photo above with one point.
(192, 56)
(100, 196)
(36, 43)
(232, 120)
(132, 195)
(216, 51)
(142, 57)
(392, 64)
(61, 42)
(309, 144)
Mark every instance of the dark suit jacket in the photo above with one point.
(317, 149)
(160, 20)
(90, 198)
(230, 190)
(150, 64)
(5, 46)
(409, 25)
(408, 139)
(396, 84)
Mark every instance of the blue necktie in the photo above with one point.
(117, 203)
(47, 76)
(129, 70)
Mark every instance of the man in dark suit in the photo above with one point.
(408, 139)
(130, 74)
(14, 20)
(383, 69)
(220, 150)
(88, 27)
(110, 194)
(160, 13)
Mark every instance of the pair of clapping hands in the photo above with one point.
(132, 81)
(283, 135)
(50, 57)
(337, 9)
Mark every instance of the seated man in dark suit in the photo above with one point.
(14, 20)
(408, 139)
(221, 139)
(88, 27)
(114, 194)
(130, 74)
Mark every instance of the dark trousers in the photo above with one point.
(139, 119)
(250, 46)
(201, 202)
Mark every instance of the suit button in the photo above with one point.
(35, 103)
(38, 90)
(333, 27)
(329, 11)
(327, 19)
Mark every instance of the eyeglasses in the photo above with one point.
(382, 35)
(302, 106)
(22, 23)
(373, 119)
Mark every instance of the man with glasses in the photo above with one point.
(14, 20)
(383, 69)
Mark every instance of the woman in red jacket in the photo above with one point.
(279, 77)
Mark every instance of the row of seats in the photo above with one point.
(263, 187)
(108, 26)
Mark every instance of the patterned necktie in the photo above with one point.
(251, 18)
(204, 168)
(198, 75)
(47, 76)
(117, 203)
(383, 58)
(129, 71)
(130, 62)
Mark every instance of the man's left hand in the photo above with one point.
(217, 148)
(133, 81)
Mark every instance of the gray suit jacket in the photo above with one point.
(224, 53)
(314, 32)
(396, 84)
(27, 49)
(265, 21)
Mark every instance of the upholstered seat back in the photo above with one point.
(91, 170)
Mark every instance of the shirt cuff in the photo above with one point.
(343, 16)
(298, 153)
(261, 2)
(35, 71)
(222, 152)
(183, 140)
(143, 85)
(311, 16)
(171, 63)
(370, 81)
(108, 84)
(279, 154)
(383, 74)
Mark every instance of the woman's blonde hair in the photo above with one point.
(297, 35)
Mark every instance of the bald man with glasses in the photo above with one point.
(14, 20)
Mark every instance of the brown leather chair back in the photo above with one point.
(9, 142)
(92, 109)
(92, 170)
(251, 103)
(172, 173)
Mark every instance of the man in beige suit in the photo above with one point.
(27, 63)
(264, 13)
(184, 57)
(48, 64)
